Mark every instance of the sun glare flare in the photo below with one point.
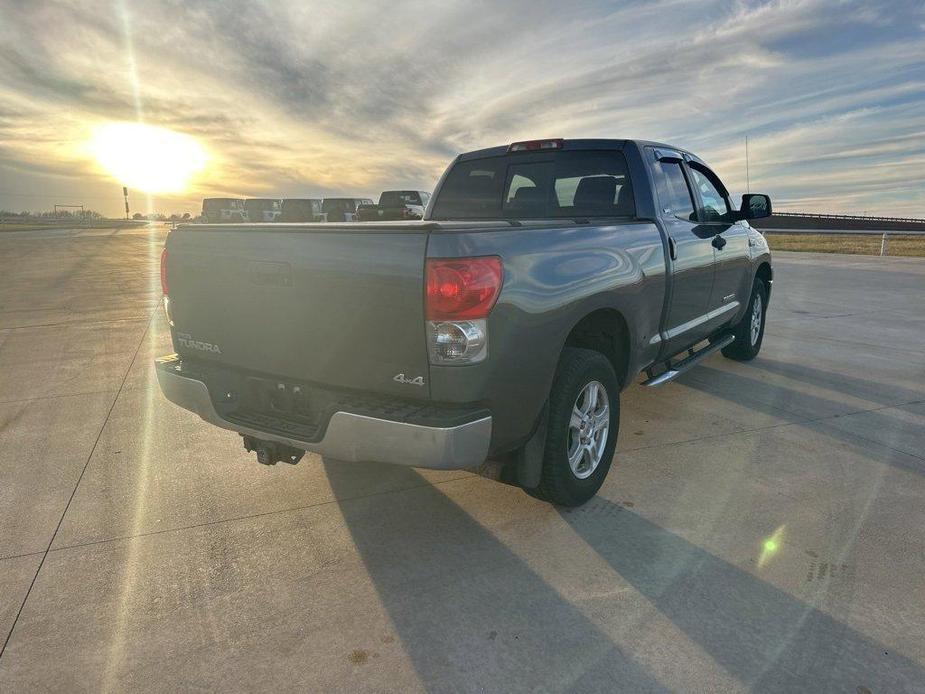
(147, 158)
(770, 546)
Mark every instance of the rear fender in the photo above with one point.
(554, 276)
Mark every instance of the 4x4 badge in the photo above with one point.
(401, 378)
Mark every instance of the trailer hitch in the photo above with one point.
(271, 452)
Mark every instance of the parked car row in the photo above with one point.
(393, 204)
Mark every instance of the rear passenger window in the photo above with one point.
(674, 195)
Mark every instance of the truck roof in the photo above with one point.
(577, 144)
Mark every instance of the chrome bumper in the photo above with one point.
(350, 437)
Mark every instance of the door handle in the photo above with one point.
(718, 242)
(672, 249)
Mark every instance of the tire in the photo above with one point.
(578, 372)
(749, 334)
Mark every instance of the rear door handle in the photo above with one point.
(672, 249)
(718, 242)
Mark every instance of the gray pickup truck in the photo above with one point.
(496, 334)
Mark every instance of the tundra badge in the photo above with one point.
(187, 341)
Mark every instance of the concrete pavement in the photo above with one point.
(762, 528)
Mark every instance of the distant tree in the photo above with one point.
(186, 215)
(174, 218)
(46, 214)
(138, 215)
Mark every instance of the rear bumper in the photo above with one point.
(348, 436)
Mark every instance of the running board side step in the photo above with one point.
(672, 371)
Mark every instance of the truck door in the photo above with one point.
(729, 240)
(691, 255)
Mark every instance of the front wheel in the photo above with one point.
(749, 332)
(581, 433)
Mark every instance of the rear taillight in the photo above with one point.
(164, 272)
(461, 288)
(164, 286)
(459, 294)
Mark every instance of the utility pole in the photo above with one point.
(748, 185)
(125, 195)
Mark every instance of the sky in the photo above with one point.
(307, 99)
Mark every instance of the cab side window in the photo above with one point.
(674, 195)
(715, 206)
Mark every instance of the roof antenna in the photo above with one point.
(748, 186)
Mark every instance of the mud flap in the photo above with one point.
(523, 467)
(530, 456)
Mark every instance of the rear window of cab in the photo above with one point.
(538, 185)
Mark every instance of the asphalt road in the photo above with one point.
(763, 527)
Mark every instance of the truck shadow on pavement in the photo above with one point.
(470, 614)
(882, 394)
(473, 616)
(815, 413)
(766, 638)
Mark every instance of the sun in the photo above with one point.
(147, 158)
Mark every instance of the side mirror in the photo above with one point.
(755, 206)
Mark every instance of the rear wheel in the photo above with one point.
(581, 434)
(749, 332)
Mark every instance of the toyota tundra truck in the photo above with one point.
(495, 334)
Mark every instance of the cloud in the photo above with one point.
(294, 98)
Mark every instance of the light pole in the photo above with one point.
(748, 185)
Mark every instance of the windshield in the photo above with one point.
(559, 184)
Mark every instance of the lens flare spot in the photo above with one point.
(770, 546)
(147, 158)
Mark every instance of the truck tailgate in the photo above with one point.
(339, 307)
